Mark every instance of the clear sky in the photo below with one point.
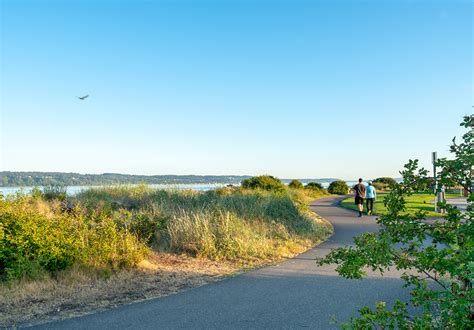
(289, 88)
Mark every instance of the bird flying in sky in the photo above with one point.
(82, 98)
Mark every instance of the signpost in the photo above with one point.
(438, 192)
(434, 158)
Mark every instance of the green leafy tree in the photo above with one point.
(386, 181)
(338, 187)
(379, 186)
(437, 257)
(459, 171)
(295, 184)
(264, 182)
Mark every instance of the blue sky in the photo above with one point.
(289, 88)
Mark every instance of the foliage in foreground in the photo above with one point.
(437, 257)
(110, 228)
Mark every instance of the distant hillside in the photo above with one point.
(14, 179)
(320, 180)
(31, 179)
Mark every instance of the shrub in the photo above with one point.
(31, 242)
(338, 188)
(37, 237)
(51, 192)
(144, 223)
(387, 181)
(264, 182)
(314, 186)
(379, 186)
(295, 184)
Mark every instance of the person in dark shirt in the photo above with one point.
(360, 192)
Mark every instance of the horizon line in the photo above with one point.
(181, 175)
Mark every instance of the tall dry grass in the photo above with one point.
(115, 227)
(228, 223)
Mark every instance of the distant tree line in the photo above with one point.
(12, 179)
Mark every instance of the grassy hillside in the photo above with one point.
(108, 229)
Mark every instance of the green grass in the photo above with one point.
(416, 202)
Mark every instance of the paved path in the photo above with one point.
(294, 294)
(461, 203)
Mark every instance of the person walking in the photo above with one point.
(370, 196)
(360, 192)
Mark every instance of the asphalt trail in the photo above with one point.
(293, 294)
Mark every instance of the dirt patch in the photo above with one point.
(79, 291)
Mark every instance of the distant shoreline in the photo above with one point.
(73, 190)
(33, 179)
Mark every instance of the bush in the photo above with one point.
(144, 223)
(314, 186)
(37, 237)
(264, 182)
(54, 192)
(31, 242)
(387, 181)
(338, 188)
(295, 184)
(379, 186)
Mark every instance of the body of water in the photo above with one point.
(73, 190)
